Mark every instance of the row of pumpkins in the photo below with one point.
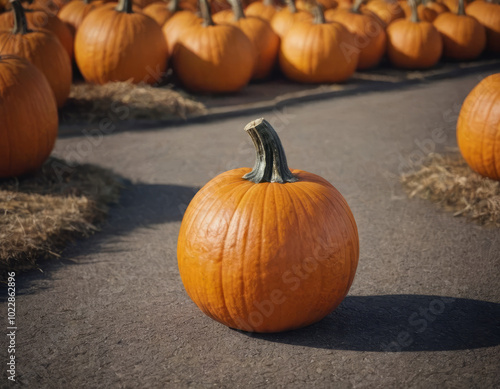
(221, 49)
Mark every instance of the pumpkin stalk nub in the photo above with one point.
(20, 23)
(124, 6)
(318, 14)
(461, 7)
(356, 6)
(270, 164)
(291, 6)
(237, 9)
(414, 13)
(173, 6)
(205, 13)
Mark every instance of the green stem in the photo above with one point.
(205, 13)
(414, 13)
(20, 23)
(173, 6)
(356, 6)
(237, 9)
(461, 7)
(124, 6)
(318, 15)
(270, 164)
(291, 6)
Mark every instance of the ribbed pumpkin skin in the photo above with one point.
(413, 45)
(264, 39)
(267, 257)
(42, 49)
(116, 46)
(488, 15)
(29, 117)
(478, 128)
(368, 31)
(159, 12)
(75, 11)
(463, 36)
(175, 26)
(317, 53)
(261, 10)
(39, 19)
(283, 20)
(215, 59)
(387, 11)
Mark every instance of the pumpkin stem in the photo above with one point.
(205, 13)
(270, 163)
(461, 7)
(20, 23)
(318, 14)
(124, 6)
(414, 14)
(237, 9)
(86, 2)
(173, 6)
(356, 6)
(291, 6)
(268, 2)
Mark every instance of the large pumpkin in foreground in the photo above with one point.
(28, 117)
(478, 128)
(268, 249)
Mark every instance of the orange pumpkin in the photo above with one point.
(265, 10)
(259, 32)
(307, 5)
(42, 49)
(161, 11)
(39, 19)
(28, 113)
(286, 17)
(175, 26)
(268, 249)
(452, 5)
(478, 128)
(368, 30)
(413, 44)
(387, 10)
(425, 13)
(488, 14)
(464, 38)
(106, 50)
(143, 3)
(434, 5)
(75, 11)
(318, 51)
(213, 58)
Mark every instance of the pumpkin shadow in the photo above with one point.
(400, 323)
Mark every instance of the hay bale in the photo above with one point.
(89, 103)
(41, 212)
(450, 182)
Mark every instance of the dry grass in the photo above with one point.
(41, 212)
(118, 101)
(448, 181)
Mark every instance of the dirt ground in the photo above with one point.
(424, 309)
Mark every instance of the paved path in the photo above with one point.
(113, 313)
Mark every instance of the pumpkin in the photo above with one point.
(42, 49)
(425, 13)
(478, 128)
(107, 50)
(318, 51)
(213, 58)
(143, 3)
(28, 116)
(452, 5)
(488, 14)
(413, 44)
(267, 249)
(265, 10)
(75, 11)
(175, 26)
(286, 17)
(306, 5)
(38, 19)
(161, 11)
(464, 38)
(368, 31)
(259, 32)
(434, 5)
(387, 10)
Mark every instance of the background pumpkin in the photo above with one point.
(488, 14)
(75, 11)
(161, 11)
(29, 117)
(265, 10)
(316, 52)
(175, 26)
(412, 43)
(237, 249)
(259, 32)
(478, 128)
(464, 38)
(387, 10)
(106, 50)
(213, 58)
(39, 19)
(42, 49)
(368, 29)
(285, 18)
(425, 13)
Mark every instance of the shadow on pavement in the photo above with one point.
(395, 323)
